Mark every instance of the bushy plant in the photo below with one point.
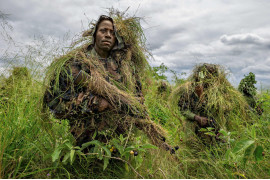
(247, 85)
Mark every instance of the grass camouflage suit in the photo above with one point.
(81, 81)
(207, 99)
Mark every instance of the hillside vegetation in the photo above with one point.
(36, 145)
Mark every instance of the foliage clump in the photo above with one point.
(247, 85)
(18, 80)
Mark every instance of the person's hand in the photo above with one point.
(220, 137)
(202, 121)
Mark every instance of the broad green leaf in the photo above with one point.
(108, 152)
(126, 167)
(128, 149)
(106, 162)
(77, 147)
(65, 141)
(69, 145)
(100, 157)
(210, 128)
(56, 153)
(85, 145)
(210, 133)
(223, 132)
(148, 146)
(248, 152)
(203, 130)
(72, 152)
(66, 158)
(95, 142)
(258, 153)
(242, 145)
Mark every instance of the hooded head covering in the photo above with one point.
(119, 44)
(205, 71)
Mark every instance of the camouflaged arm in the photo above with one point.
(70, 98)
(117, 98)
(185, 110)
(82, 80)
(58, 99)
(188, 115)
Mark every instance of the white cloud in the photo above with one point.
(247, 38)
(259, 68)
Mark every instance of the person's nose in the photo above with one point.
(108, 34)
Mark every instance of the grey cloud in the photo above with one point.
(259, 68)
(180, 34)
(243, 39)
(264, 77)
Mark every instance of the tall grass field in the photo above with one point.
(34, 144)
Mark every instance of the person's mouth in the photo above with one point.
(106, 42)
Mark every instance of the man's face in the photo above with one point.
(105, 37)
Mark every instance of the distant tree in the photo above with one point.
(159, 74)
(247, 85)
(248, 89)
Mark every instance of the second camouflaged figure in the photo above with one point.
(209, 103)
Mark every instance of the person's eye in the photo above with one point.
(102, 30)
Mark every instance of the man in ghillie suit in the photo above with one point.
(97, 86)
(247, 88)
(207, 99)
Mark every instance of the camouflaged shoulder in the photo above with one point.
(62, 100)
(187, 101)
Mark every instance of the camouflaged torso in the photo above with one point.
(190, 104)
(190, 101)
(78, 104)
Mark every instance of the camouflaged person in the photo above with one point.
(192, 103)
(210, 104)
(98, 89)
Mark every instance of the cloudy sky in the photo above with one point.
(180, 33)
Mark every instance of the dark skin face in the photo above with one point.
(105, 38)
